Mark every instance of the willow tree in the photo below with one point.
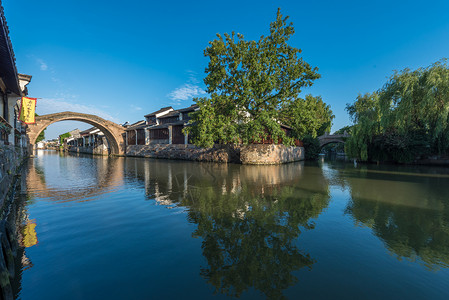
(249, 82)
(365, 113)
(407, 118)
(418, 101)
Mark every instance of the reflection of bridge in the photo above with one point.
(113, 132)
(332, 138)
(108, 176)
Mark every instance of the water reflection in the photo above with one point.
(76, 177)
(248, 217)
(406, 207)
(250, 221)
(29, 236)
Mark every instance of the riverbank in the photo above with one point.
(437, 161)
(99, 150)
(253, 154)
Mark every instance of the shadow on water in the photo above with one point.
(248, 217)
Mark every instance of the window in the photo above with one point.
(140, 137)
(131, 137)
(159, 134)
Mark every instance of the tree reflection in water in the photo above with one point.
(408, 209)
(249, 218)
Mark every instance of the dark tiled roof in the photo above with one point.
(8, 70)
(136, 125)
(88, 130)
(170, 114)
(190, 108)
(180, 122)
(158, 111)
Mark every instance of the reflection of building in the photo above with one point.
(168, 182)
(103, 176)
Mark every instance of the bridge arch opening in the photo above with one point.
(113, 132)
(330, 143)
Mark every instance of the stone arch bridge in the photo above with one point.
(113, 132)
(332, 138)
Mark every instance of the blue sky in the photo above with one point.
(124, 59)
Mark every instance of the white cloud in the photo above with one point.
(192, 77)
(49, 106)
(134, 107)
(42, 64)
(188, 90)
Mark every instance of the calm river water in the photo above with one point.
(133, 228)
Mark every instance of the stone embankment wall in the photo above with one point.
(249, 154)
(11, 159)
(11, 166)
(270, 154)
(99, 150)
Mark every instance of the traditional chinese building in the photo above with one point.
(91, 141)
(12, 88)
(163, 126)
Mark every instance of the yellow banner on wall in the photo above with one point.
(27, 110)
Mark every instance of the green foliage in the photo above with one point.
(309, 116)
(63, 136)
(406, 119)
(312, 147)
(250, 82)
(41, 136)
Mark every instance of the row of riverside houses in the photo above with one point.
(91, 141)
(13, 138)
(14, 147)
(163, 126)
(161, 135)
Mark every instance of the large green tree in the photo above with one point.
(308, 117)
(249, 83)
